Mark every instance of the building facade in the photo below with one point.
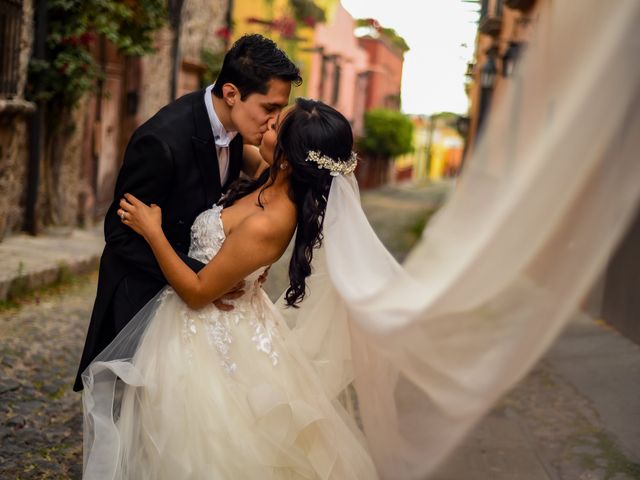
(504, 29)
(339, 67)
(69, 179)
(135, 88)
(385, 72)
(16, 43)
(63, 174)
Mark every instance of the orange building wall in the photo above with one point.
(515, 26)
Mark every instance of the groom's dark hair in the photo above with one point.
(251, 62)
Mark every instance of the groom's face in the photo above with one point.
(270, 137)
(252, 115)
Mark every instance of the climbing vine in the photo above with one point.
(70, 67)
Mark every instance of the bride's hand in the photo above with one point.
(143, 219)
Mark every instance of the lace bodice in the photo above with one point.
(207, 236)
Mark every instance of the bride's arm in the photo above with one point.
(252, 244)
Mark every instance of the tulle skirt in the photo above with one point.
(185, 394)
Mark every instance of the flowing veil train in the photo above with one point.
(542, 203)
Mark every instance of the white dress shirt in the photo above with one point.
(221, 136)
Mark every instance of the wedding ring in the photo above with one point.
(122, 216)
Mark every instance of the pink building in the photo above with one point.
(385, 77)
(339, 68)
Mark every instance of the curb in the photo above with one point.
(28, 263)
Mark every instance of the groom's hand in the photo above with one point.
(235, 292)
(263, 278)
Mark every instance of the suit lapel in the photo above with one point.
(205, 149)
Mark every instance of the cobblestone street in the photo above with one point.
(41, 433)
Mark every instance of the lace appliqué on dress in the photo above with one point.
(207, 236)
(264, 330)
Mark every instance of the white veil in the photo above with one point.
(543, 201)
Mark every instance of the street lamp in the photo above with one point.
(488, 74)
(510, 58)
(488, 71)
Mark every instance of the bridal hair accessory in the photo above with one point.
(335, 167)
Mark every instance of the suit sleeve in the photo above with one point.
(147, 173)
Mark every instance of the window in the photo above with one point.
(335, 94)
(10, 28)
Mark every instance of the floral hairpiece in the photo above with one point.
(335, 167)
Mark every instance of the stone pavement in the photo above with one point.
(40, 416)
(576, 416)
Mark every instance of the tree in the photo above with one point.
(375, 30)
(69, 69)
(387, 133)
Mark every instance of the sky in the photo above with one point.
(441, 36)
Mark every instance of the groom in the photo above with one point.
(183, 159)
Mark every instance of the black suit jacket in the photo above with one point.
(170, 161)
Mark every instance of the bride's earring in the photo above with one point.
(283, 166)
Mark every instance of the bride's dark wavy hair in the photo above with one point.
(309, 125)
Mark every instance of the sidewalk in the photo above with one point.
(28, 263)
(576, 416)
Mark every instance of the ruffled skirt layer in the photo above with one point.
(213, 395)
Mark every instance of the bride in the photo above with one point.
(205, 393)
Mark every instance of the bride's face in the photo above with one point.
(270, 137)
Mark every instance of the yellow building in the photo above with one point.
(286, 25)
(413, 165)
(446, 152)
(437, 151)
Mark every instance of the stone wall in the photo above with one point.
(14, 117)
(13, 172)
(155, 88)
(61, 166)
(60, 172)
(201, 19)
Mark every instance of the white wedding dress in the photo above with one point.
(209, 394)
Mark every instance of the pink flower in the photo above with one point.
(72, 41)
(224, 33)
(87, 38)
(285, 26)
(374, 23)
